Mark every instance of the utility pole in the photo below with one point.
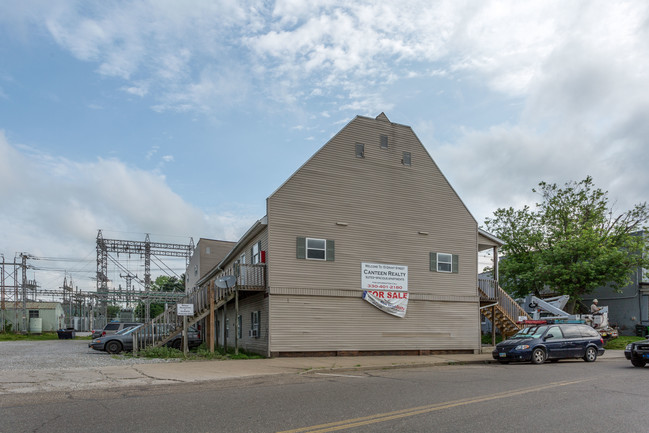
(2, 295)
(24, 286)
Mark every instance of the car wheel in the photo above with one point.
(590, 355)
(538, 356)
(638, 362)
(176, 344)
(113, 347)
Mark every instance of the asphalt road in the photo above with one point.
(569, 396)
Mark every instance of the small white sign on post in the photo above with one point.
(185, 309)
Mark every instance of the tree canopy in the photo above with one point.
(572, 243)
(162, 283)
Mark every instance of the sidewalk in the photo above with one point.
(74, 379)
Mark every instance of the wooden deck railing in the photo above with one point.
(168, 324)
(507, 310)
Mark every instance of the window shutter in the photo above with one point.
(433, 262)
(331, 255)
(301, 248)
(258, 324)
(455, 264)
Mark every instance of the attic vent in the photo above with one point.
(406, 160)
(360, 150)
(384, 141)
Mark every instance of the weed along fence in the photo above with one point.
(204, 300)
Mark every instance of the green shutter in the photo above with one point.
(301, 248)
(455, 264)
(433, 262)
(331, 254)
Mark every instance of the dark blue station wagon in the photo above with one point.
(551, 342)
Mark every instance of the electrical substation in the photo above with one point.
(23, 300)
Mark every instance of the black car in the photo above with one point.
(638, 353)
(551, 342)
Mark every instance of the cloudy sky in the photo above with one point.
(178, 119)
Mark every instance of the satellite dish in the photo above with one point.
(226, 281)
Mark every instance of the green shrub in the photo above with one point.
(620, 342)
(163, 352)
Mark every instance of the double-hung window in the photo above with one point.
(444, 262)
(315, 249)
(256, 253)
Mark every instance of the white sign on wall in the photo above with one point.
(185, 309)
(386, 287)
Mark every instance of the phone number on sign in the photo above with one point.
(384, 286)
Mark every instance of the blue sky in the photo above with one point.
(178, 119)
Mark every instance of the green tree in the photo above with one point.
(168, 284)
(162, 283)
(572, 243)
(113, 310)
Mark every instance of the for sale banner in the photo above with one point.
(386, 287)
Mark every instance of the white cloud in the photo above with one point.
(575, 74)
(59, 204)
(186, 55)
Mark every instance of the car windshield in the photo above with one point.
(127, 330)
(531, 332)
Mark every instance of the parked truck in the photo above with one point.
(551, 310)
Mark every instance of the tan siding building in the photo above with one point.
(207, 254)
(371, 195)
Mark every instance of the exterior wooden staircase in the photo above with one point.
(500, 308)
(208, 298)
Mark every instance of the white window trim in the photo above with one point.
(449, 263)
(256, 254)
(324, 249)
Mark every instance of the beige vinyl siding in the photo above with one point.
(248, 302)
(384, 204)
(386, 213)
(256, 302)
(335, 324)
(261, 237)
(205, 261)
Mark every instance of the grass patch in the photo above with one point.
(620, 342)
(161, 352)
(486, 339)
(11, 336)
(196, 354)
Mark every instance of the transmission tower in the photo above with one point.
(144, 249)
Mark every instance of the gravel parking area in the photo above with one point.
(63, 354)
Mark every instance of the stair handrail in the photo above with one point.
(507, 305)
(167, 324)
